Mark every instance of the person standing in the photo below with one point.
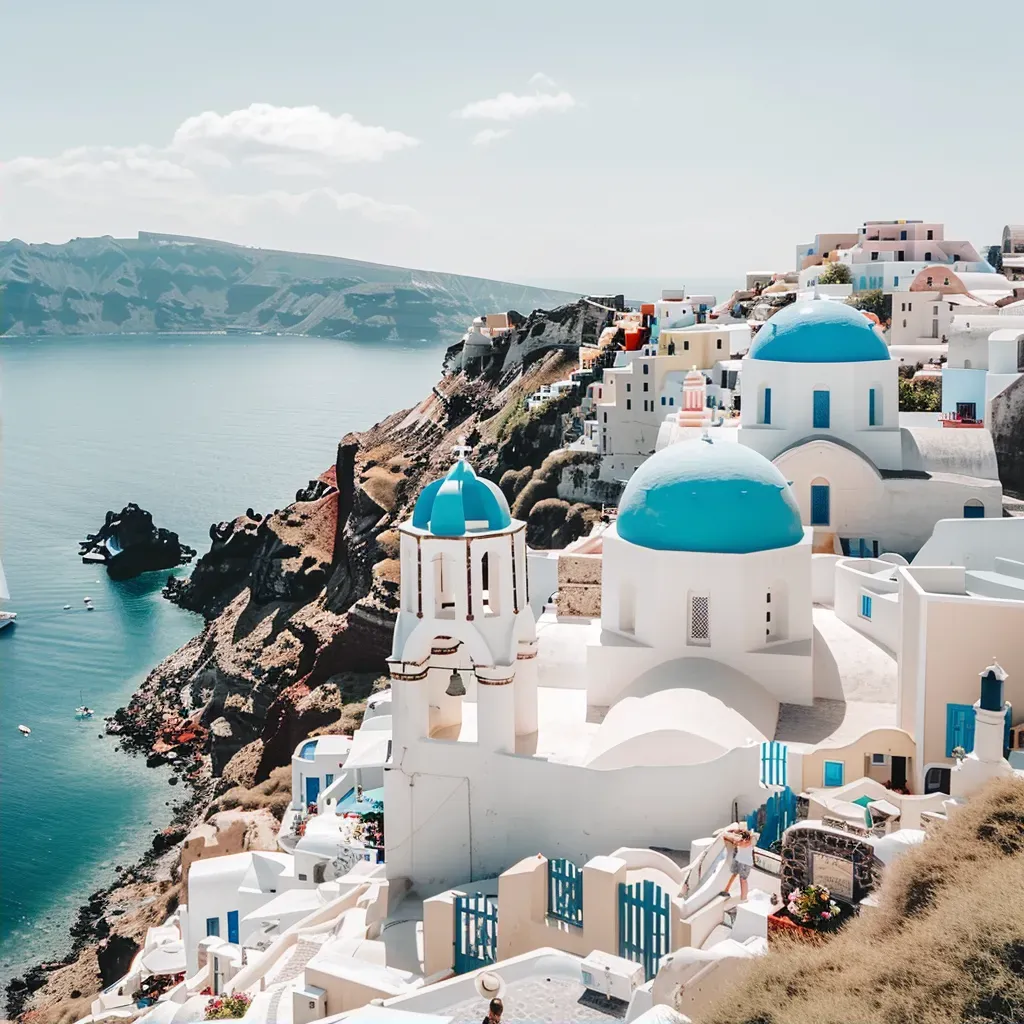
(741, 842)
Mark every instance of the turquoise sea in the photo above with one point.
(195, 429)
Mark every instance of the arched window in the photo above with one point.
(445, 582)
(974, 509)
(490, 575)
(821, 500)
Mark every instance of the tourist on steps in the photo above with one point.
(742, 842)
(494, 1012)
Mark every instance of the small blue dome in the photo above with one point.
(704, 495)
(818, 331)
(460, 502)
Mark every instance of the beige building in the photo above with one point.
(703, 345)
(954, 621)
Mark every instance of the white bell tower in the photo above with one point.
(465, 631)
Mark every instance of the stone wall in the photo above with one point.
(801, 842)
(579, 585)
(1006, 424)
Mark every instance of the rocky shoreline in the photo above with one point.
(300, 607)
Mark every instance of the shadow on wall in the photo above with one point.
(828, 684)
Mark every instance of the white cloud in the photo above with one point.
(508, 106)
(207, 176)
(262, 130)
(489, 135)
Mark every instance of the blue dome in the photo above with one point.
(818, 331)
(709, 496)
(459, 502)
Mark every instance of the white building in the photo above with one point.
(511, 737)
(315, 764)
(822, 402)
(967, 384)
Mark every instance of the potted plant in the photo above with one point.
(227, 1007)
(808, 911)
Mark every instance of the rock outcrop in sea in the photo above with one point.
(128, 544)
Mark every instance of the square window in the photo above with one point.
(878, 760)
(833, 773)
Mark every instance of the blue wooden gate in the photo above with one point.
(773, 817)
(565, 891)
(644, 924)
(476, 932)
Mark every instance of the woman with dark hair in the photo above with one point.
(494, 1012)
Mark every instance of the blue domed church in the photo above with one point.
(821, 400)
(708, 559)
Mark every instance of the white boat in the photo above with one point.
(6, 618)
(83, 712)
(24, 730)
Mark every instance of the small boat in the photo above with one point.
(24, 730)
(82, 713)
(67, 607)
(90, 607)
(87, 600)
(6, 618)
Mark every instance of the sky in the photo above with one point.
(554, 142)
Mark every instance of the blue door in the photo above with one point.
(959, 727)
(312, 790)
(233, 926)
(822, 417)
(819, 505)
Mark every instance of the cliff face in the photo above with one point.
(175, 283)
(299, 597)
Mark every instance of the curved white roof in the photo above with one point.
(668, 728)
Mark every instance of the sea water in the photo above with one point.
(195, 429)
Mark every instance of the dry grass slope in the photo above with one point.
(946, 946)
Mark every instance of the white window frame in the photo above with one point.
(879, 763)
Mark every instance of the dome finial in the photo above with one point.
(461, 450)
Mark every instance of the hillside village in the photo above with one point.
(702, 676)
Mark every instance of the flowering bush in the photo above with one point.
(813, 907)
(227, 1007)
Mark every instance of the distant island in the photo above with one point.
(178, 283)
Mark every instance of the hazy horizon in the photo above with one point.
(527, 144)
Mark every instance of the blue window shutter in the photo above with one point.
(871, 407)
(1006, 730)
(865, 606)
(233, 926)
(774, 764)
(822, 417)
(767, 405)
(833, 774)
(328, 779)
(212, 926)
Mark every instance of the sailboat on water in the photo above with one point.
(82, 712)
(6, 618)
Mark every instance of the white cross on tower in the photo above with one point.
(461, 450)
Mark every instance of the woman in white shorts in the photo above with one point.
(741, 841)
